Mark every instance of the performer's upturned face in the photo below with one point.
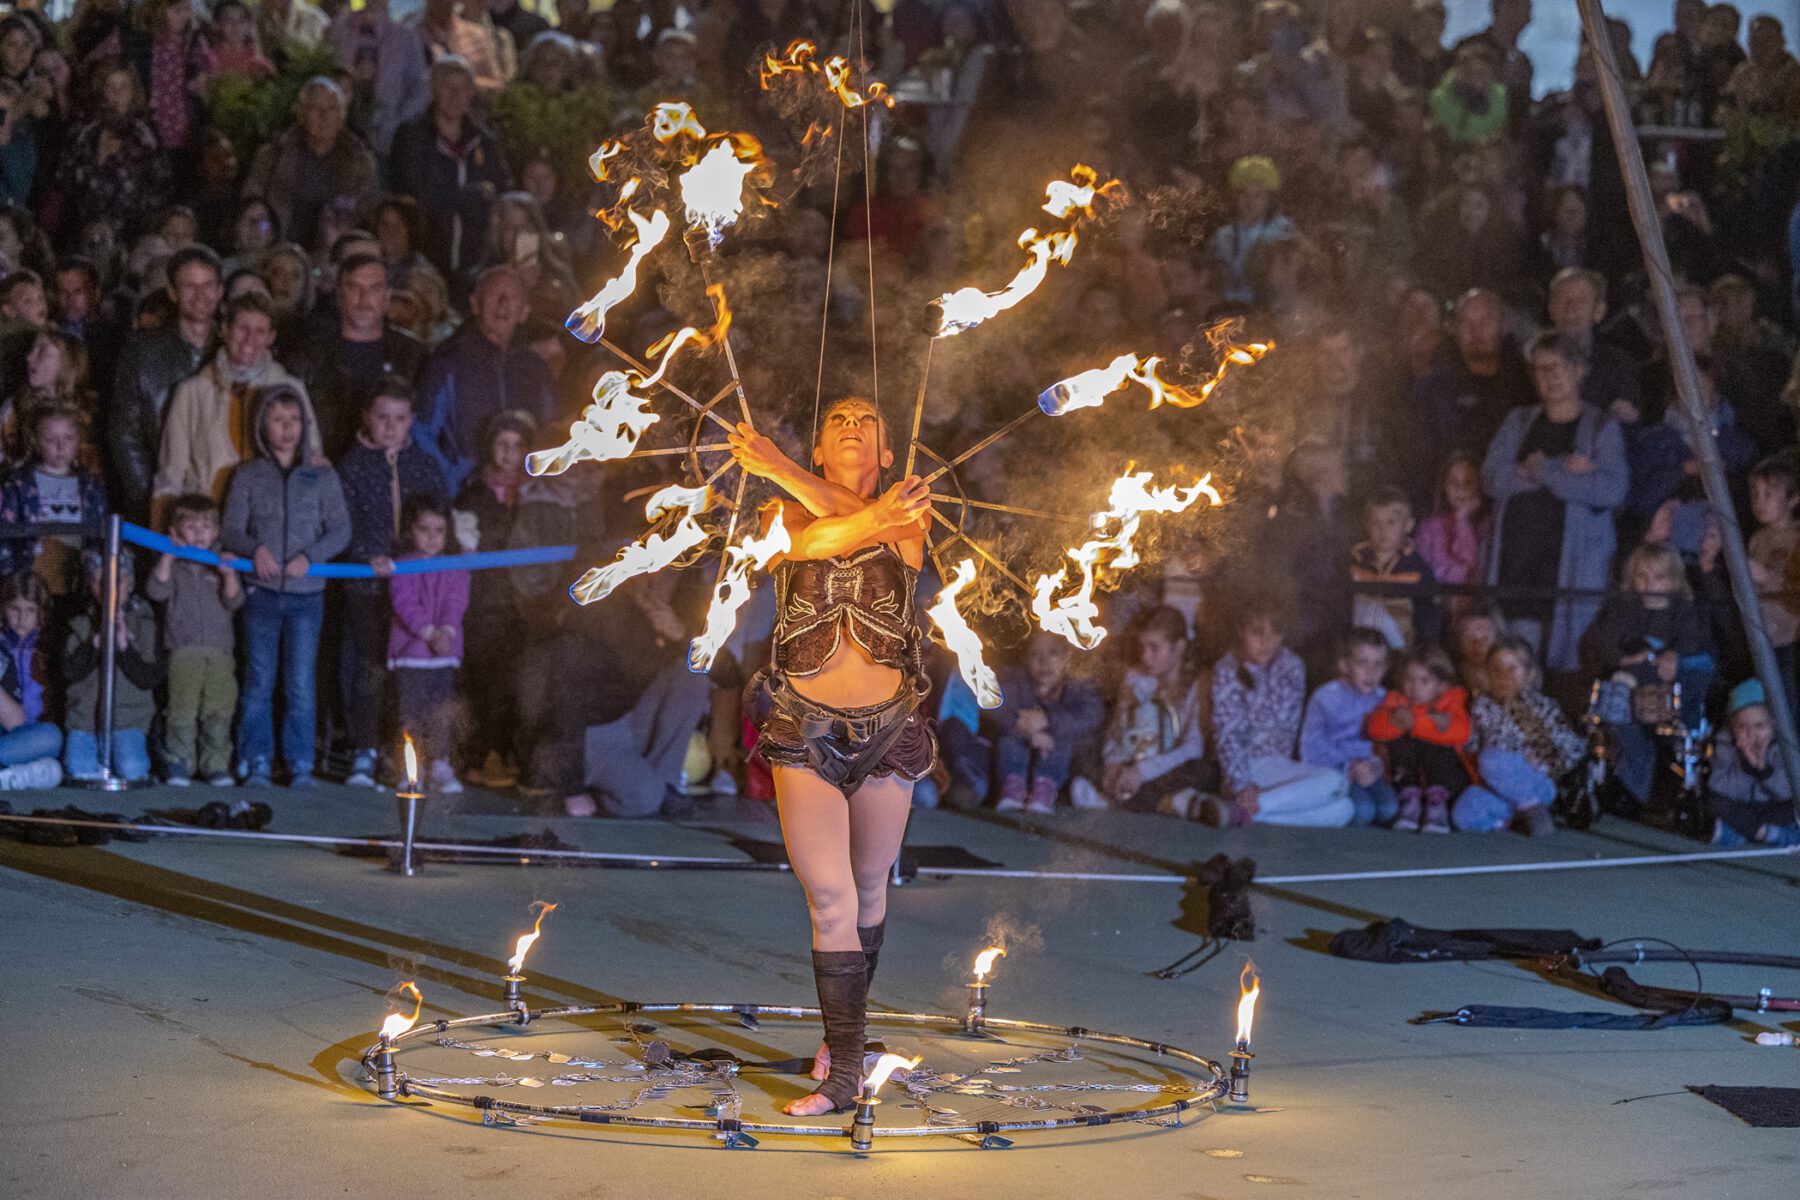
(852, 439)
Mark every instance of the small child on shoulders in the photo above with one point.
(1258, 690)
(1525, 746)
(1046, 718)
(1334, 733)
(1424, 731)
(425, 641)
(1155, 748)
(1389, 557)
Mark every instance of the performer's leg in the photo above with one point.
(816, 826)
(878, 814)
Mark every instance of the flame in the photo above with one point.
(687, 335)
(798, 60)
(398, 1023)
(984, 962)
(962, 640)
(671, 119)
(517, 961)
(733, 589)
(885, 1066)
(965, 308)
(1075, 616)
(1249, 988)
(653, 551)
(597, 161)
(1077, 193)
(609, 428)
(589, 321)
(412, 764)
(713, 188)
(1090, 388)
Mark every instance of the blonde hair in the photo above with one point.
(1661, 558)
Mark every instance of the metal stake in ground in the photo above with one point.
(1687, 382)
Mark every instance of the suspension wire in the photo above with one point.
(859, 23)
(837, 180)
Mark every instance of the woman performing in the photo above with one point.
(838, 709)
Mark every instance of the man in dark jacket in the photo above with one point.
(151, 364)
(452, 166)
(343, 365)
(484, 369)
(312, 164)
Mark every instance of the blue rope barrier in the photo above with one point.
(487, 560)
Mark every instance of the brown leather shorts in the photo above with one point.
(842, 746)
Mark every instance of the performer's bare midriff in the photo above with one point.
(839, 710)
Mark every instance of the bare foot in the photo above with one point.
(822, 1062)
(815, 1105)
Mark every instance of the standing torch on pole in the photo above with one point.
(1647, 220)
(513, 979)
(109, 656)
(407, 800)
(1249, 988)
(862, 1126)
(978, 990)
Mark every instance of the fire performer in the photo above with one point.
(839, 709)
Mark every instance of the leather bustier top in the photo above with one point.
(869, 593)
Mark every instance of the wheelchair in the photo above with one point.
(1682, 745)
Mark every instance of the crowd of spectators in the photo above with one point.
(288, 281)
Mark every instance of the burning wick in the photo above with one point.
(516, 964)
(978, 989)
(386, 1084)
(1249, 988)
(408, 799)
(862, 1128)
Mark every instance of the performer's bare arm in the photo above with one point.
(898, 515)
(762, 457)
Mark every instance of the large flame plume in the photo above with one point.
(654, 550)
(687, 335)
(798, 59)
(589, 321)
(984, 962)
(398, 1023)
(885, 1066)
(733, 589)
(608, 429)
(516, 963)
(1066, 199)
(1090, 388)
(962, 640)
(1075, 616)
(1249, 988)
(672, 119)
(712, 190)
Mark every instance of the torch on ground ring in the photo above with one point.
(1209, 1087)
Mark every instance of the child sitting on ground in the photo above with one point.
(1154, 749)
(1750, 796)
(198, 602)
(425, 642)
(1334, 733)
(1258, 689)
(1525, 746)
(29, 745)
(1047, 717)
(1472, 638)
(140, 670)
(1387, 557)
(1424, 729)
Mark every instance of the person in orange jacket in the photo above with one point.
(1424, 731)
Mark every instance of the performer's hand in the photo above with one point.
(758, 455)
(907, 502)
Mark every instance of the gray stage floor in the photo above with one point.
(183, 1018)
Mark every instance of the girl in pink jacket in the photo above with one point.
(425, 642)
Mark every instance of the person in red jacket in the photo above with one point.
(1423, 729)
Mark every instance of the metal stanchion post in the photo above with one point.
(109, 656)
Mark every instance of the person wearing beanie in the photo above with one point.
(1752, 797)
(1255, 182)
